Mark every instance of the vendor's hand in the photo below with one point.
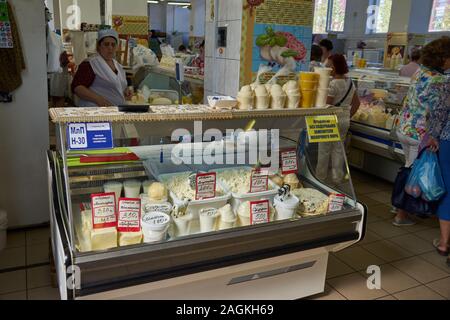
(128, 94)
(433, 145)
(102, 102)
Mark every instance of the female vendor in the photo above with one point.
(100, 80)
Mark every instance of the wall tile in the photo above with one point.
(234, 40)
(232, 77)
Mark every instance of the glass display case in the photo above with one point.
(373, 127)
(192, 202)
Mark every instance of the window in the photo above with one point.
(337, 16)
(329, 15)
(378, 16)
(440, 16)
(320, 17)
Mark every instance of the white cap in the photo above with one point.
(108, 33)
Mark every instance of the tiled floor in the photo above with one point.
(410, 267)
(25, 266)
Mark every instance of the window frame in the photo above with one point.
(329, 18)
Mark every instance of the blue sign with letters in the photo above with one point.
(89, 136)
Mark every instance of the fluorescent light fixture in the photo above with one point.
(153, 1)
(178, 3)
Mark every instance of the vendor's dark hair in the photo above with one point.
(326, 44)
(339, 63)
(436, 52)
(316, 53)
(181, 48)
(416, 54)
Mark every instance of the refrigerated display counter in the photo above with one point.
(251, 250)
(375, 147)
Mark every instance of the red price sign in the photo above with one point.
(129, 215)
(259, 181)
(289, 163)
(259, 212)
(336, 202)
(205, 186)
(103, 210)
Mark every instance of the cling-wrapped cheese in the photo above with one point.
(312, 202)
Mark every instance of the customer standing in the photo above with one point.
(428, 91)
(437, 55)
(316, 57)
(342, 93)
(327, 49)
(411, 68)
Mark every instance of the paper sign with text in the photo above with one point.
(323, 129)
(259, 212)
(259, 181)
(103, 210)
(289, 162)
(205, 186)
(336, 202)
(90, 136)
(129, 219)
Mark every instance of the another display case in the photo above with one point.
(373, 127)
(242, 235)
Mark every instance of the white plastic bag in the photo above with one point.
(54, 50)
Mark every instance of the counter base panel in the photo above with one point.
(286, 277)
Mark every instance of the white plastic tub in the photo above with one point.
(3, 227)
(238, 198)
(194, 206)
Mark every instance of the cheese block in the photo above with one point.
(312, 202)
(129, 238)
(95, 239)
(102, 239)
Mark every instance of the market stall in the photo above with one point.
(158, 220)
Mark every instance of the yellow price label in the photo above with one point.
(323, 129)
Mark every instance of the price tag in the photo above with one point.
(259, 181)
(89, 136)
(336, 202)
(129, 219)
(259, 212)
(104, 210)
(205, 186)
(289, 162)
(322, 129)
(156, 219)
(158, 207)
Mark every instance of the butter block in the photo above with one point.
(102, 239)
(129, 238)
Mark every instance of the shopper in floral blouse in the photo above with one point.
(426, 102)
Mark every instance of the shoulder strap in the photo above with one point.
(346, 95)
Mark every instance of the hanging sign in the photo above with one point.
(323, 129)
(89, 136)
